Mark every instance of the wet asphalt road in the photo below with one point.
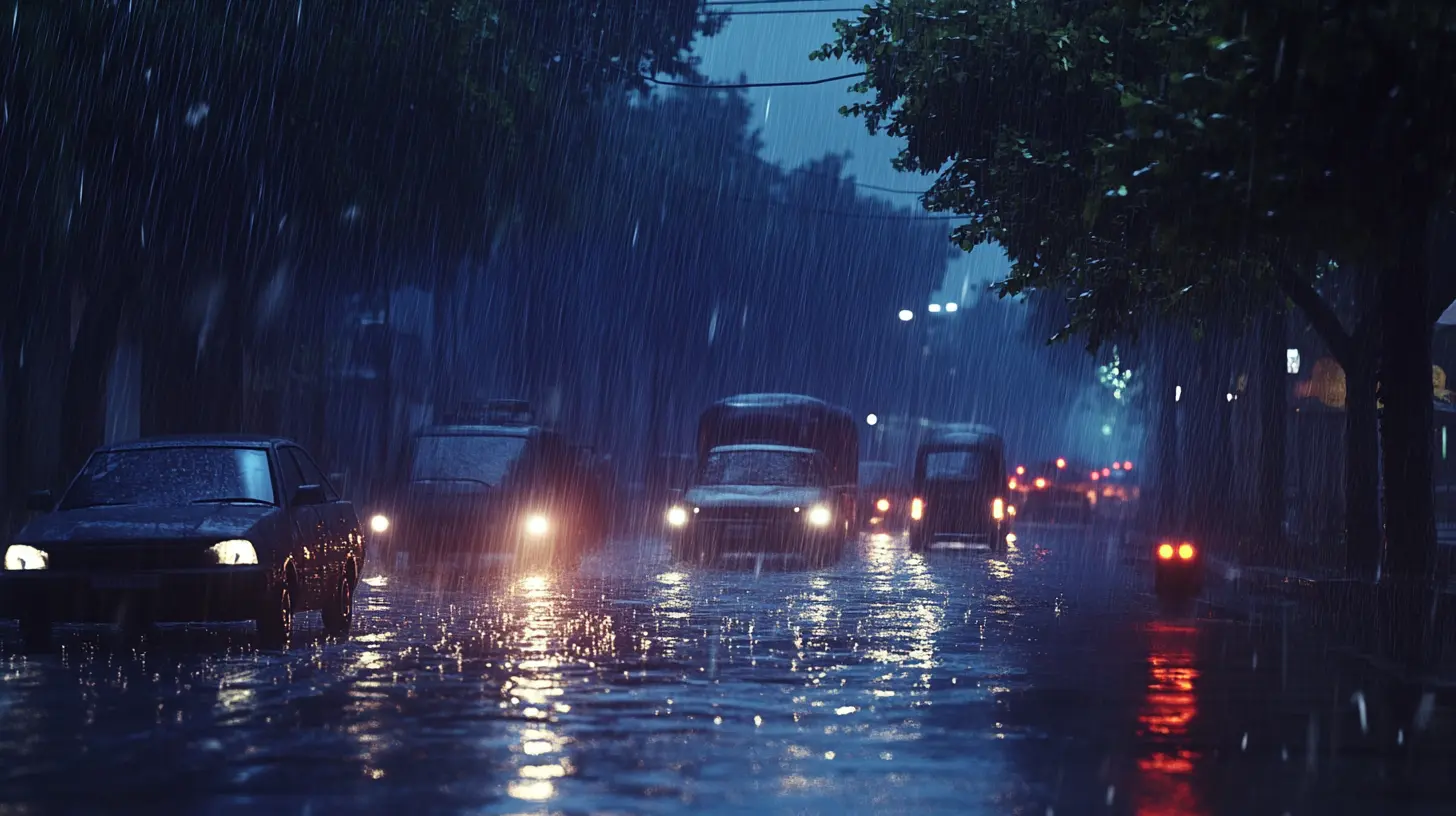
(1044, 681)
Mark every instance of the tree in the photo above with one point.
(1195, 158)
(174, 151)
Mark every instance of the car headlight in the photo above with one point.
(26, 557)
(235, 552)
(379, 523)
(819, 516)
(537, 525)
(677, 516)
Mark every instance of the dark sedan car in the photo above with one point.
(188, 529)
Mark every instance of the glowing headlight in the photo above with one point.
(819, 516)
(26, 557)
(379, 523)
(234, 553)
(677, 516)
(537, 525)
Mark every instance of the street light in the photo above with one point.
(906, 315)
(872, 420)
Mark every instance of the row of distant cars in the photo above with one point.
(234, 528)
(779, 475)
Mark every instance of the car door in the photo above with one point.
(337, 516)
(309, 531)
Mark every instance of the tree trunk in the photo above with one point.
(1405, 386)
(1273, 419)
(83, 406)
(1362, 466)
(1167, 402)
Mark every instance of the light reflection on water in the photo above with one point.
(1165, 783)
(871, 684)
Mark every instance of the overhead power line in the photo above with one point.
(760, 12)
(759, 2)
(729, 86)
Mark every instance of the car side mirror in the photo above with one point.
(40, 501)
(309, 494)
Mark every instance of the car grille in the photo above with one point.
(121, 557)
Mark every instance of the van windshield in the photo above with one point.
(762, 467)
(459, 458)
(957, 465)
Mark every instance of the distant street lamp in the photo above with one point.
(872, 420)
(906, 315)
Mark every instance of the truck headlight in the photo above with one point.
(234, 552)
(26, 557)
(537, 525)
(379, 523)
(819, 516)
(677, 516)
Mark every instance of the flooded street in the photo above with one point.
(1041, 682)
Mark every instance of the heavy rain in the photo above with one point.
(657, 406)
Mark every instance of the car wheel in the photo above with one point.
(275, 621)
(35, 634)
(338, 614)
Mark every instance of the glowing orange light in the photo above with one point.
(883, 505)
(1185, 551)
(1096, 475)
(1127, 465)
(1020, 470)
(1106, 472)
(1011, 484)
(917, 509)
(1117, 466)
(1040, 483)
(998, 509)
(1011, 510)
(1165, 551)
(1061, 464)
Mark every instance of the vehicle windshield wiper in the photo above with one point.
(100, 504)
(233, 500)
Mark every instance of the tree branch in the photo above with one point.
(1323, 318)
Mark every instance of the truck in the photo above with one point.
(776, 474)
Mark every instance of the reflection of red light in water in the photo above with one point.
(1164, 784)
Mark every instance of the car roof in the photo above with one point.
(199, 441)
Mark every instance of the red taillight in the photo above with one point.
(1127, 465)
(1185, 551)
(1106, 471)
(998, 509)
(883, 505)
(1165, 552)
(1096, 475)
(917, 509)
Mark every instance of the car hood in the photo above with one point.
(220, 521)
(755, 496)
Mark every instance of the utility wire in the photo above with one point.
(757, 2)
(760, 12)
(728, 86)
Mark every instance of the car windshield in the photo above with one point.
(455, 458)
(169, 477)
(956, 465)
(776, 468)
